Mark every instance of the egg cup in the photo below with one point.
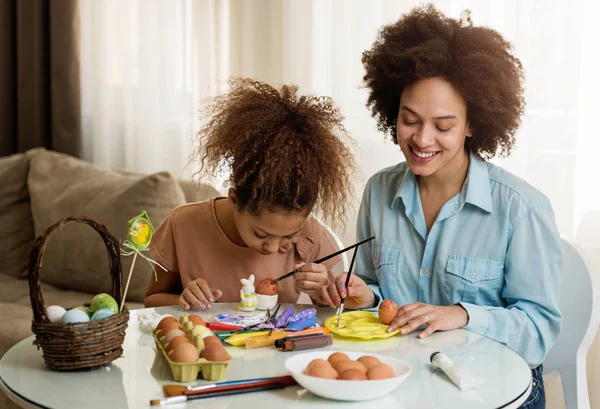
(266, 302)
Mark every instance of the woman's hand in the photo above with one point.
(198, 294)
(359, 295)
(311, 278)
(412, 316)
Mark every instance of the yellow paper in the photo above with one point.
(240, 339)
(265, 340)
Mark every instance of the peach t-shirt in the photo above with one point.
(191, 242)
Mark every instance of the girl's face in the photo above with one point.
(432, 126)
(271, 231)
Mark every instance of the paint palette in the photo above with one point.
(359, 324)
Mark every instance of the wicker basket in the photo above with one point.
(83, 345)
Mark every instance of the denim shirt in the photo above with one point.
(494, 248)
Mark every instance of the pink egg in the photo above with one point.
(172, 334)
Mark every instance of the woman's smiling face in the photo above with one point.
(432, 126)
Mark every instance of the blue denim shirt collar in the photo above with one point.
(476, 189)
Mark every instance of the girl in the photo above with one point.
(460, 241)
(286, 156)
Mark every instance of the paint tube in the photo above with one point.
(462, 377)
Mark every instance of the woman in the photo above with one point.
(460, 242)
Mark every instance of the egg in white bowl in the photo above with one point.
(346, 390)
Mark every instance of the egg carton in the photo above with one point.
(186, 372)
(192, 331)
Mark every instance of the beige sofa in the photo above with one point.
(40, 187)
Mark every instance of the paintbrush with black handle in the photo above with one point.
(291, 273)
(341, 307)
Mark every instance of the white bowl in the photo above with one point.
(264, 302)
(346, 390)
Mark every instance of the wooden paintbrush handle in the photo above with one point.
(282, 380)
(214, 393)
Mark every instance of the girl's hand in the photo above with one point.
(412, 316)
(359, 295)
(198, 294)
(311, 278)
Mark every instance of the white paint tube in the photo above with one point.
(462, 377)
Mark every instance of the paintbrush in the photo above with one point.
(276, 383)
(291, 273)
(185, 398)
(341, 307)
(237, 331)
(268, 319)
(274, 318)
(178, 390)
(258, 324)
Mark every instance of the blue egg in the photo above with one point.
(73, 316)
(102, 313)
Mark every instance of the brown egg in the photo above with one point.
(336, 357)
(380, 371)
(176, 341)
(268, 286)
(353, 375)
(212, 340)
(387, 311)
(164, 321)
(168, 326)
(184, 353)
(196, 320)
(215, 353)
(315, 362)
(323, 371)
(369, 361)
(342, 366)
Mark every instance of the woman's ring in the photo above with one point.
(426, 318)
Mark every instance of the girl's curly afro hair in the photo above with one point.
(284, 151)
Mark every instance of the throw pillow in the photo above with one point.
(75, 257)
(197, 192)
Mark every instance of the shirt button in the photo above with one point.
(474, 274)
(425, 272)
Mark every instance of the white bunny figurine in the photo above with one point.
(247, 296)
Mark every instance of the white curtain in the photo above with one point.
(147, 66)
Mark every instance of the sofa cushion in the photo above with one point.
(75, 257)
(197, 192)
(15, 307)
(16, 291)
(16, 234)
(15, 324)
(13, 289)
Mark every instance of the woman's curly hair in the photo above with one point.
(477, 61)
(282, 150)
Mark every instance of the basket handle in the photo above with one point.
(37, 253)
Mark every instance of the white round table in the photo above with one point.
(137, 377)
